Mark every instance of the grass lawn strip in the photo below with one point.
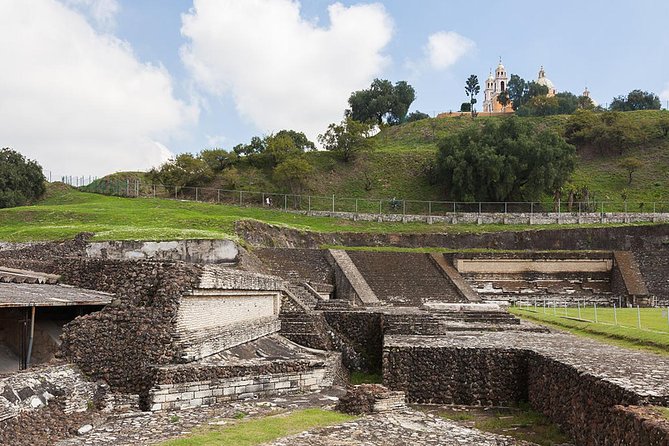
(622, 336)
(262, 430)
(66, 212)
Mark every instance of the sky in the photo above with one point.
(90, 87)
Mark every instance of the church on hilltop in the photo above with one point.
(498, 83)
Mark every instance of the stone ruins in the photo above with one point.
(101, 341)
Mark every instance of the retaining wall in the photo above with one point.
(592, 409)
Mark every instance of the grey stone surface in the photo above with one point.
(397, 428)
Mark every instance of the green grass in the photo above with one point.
(626, 336)
(521, 423)
(664, 411)
(258, 431)
(365, 378)
(66, 212)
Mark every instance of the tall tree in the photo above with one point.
(382, 101)
(472, 88)
(516, 89)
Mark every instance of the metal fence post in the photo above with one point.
(218, 196)
(333, 202)
(285, 202)
(356, 205)
(638, 317)
(176, 193)
(404, 207)
(154, 191)
(196, 193)
(429, 208)
(241, 200)
(309, 209)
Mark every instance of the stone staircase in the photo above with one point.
(297, 265)
(404, 279)
(305, 329)
(334, 305)
(303, 295)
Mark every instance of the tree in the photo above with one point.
(503, 99)
(472, 88)
(465, 107)
(21, 180)
(636, 100)
(293, 174)
(416, 116)
(185, 170)
(218, 159)
(504, 160)
(631, 165)
(279, 148)
(516, 89)
(346, 139)
(300, 140)
(382, 101)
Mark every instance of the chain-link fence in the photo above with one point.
(333, 203)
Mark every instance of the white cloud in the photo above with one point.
(664, 95)
(79, 101)
(284, 71)
(102, 11)
(445, 48)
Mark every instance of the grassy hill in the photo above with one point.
(400, 163)
(66, 211)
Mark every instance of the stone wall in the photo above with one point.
(44, 403)
(361, 332)
(297, 265)
(193, 386)
(594, 408)
(480, 377)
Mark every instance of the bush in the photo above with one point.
(504, 160)
(21, 180)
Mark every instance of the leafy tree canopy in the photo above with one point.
(347, 139)
(293, 174)
(521, 91)
(185, 170)
(636, 100)
(416, 116)
(382, 101)
(504, 160)
(273, 149)
(21, 180)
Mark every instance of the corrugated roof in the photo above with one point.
(44, 295)
(10, 275)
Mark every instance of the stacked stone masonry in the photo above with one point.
(574, 381)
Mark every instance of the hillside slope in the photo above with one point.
(400, 163)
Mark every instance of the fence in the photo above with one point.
(394, 206)
(652, 319)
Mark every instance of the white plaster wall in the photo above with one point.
(528, 265)
(202, 312)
